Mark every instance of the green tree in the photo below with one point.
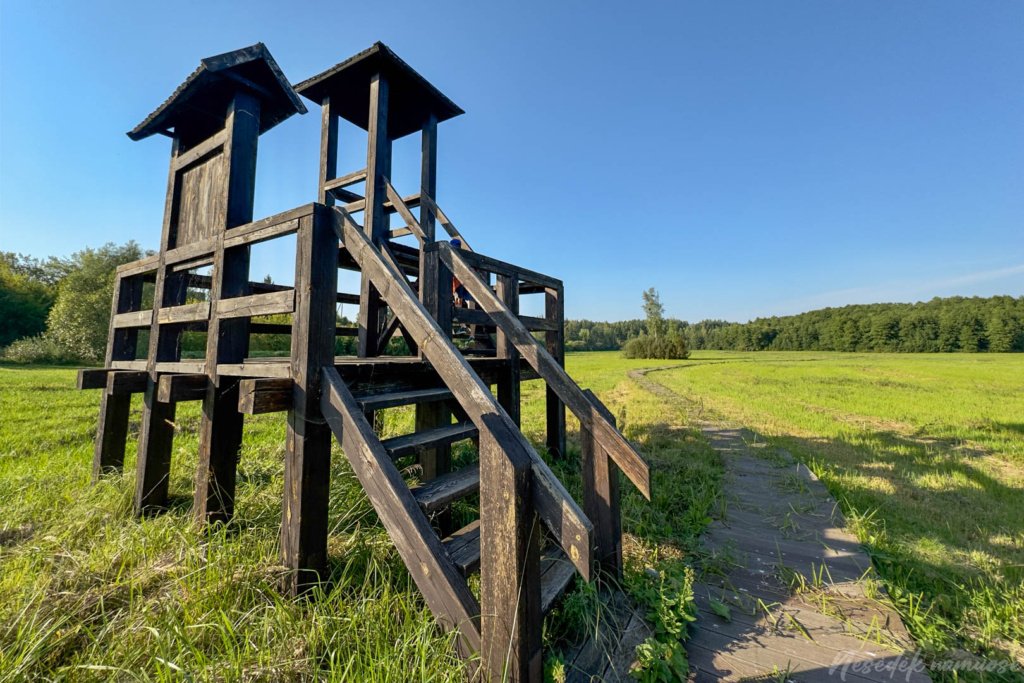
(80, 316)
(26, 295)
(654, 311)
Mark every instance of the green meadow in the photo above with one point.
(925, 454)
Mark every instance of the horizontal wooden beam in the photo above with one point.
(257, 396)
(492, 265)
(188, 313)
(128, 365)
(283, 223)
(201, 250)
(144, 265)
(133, 319)
(346, 180)
(257, 304)
(194, 367)
(175, 388)
(346, 195)
(539, 324)
(127, 382)
(93, 378)
(208, 146)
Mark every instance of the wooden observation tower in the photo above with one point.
(531, 537)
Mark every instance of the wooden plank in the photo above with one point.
(463, 547)
(184, 314)
(403, 398)
(211, 145)
(257, 304)
(256, 369)
(143, 265)
(410, 200)
(492, 265)
(344, 195)
(428, 176)
(200, 249)
(625, 456)
(539, 324)
(126, 382)
(443, 588)
(510, 601)
(556, 573)
(187, 366)
(258, 396)
(345, 180)
(92, 379)
(472, 316)
(307, 469)
(280, 224)
(440, 491)
(127, 365)
(556, 507)
(133, 319)
(438, 436)
(174, 388)
(601, 496)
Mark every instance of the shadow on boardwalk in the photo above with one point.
(785, 593)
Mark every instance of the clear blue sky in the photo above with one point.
(744, 158)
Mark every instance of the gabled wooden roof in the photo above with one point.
(202, 98)
(411, 98)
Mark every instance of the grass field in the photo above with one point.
(89, 593)
(925, 454)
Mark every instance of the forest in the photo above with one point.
(57, 310)
(966, 324)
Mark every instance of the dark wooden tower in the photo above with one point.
(531, 537)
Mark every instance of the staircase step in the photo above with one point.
(556, 572)
(429, 438)
(437, 493)
(402, 398)
(463, 547)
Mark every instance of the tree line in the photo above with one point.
(58, 310)
(966, 324)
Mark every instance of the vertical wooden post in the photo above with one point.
(308, 459)
(156, 433)
(375, 221)
(554, 307)
(428, 186)
(436, 290)
(227, 341)
(601, 495)
(508, 386)
(328, 149)
(112, 429)
(510, 618)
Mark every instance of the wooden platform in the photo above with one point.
(802, 599)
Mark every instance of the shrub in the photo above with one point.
(669, 346)
(38, 349)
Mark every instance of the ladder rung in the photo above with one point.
(430, 438)
(437, 493)
(463, 548)
(556, 572)
(402, 398)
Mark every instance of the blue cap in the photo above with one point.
(456, 242)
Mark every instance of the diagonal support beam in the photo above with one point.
(559, 512)
(444, 589)
(610, 438)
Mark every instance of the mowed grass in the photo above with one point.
(925, 454)
(87, 592)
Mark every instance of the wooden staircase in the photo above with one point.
(523, 571)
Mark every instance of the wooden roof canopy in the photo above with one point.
(200, 102)
(411, 98)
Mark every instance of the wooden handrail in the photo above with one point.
(404, 212)
(556, 508)
(592, 419)
(448, 226)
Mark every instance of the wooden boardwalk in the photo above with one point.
(795, 586)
